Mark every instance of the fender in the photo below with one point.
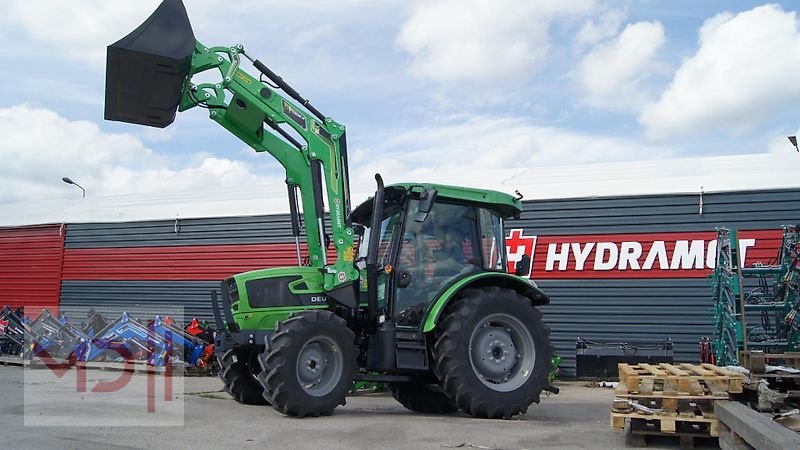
(521, 285)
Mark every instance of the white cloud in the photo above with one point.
(39, 147)
(211, 172)
(78, 30)
(612, 73)
(600, 28)
(744, 71)
(82, 30)
(485, 143)
(453, 40)
(152, 134)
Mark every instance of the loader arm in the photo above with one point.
(317, 167)
(151, 73)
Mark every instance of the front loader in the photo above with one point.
(417, 294)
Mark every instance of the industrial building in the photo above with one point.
(618, 267)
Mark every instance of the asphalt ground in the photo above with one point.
(576, 418)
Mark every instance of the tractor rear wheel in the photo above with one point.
(238, 367)
(422, 398)
(309, 364)
(492, 353)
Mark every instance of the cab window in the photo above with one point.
(492, 245)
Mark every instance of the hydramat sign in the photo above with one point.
(633, 255)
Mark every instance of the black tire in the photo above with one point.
(237, 371)
(326, 347)
(489, 384)
(422, 398)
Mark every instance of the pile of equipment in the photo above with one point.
(156, 342)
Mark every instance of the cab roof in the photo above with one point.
(503, 204)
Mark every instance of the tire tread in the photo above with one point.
(276, 375)
(457, 378)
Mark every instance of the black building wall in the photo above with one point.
(123, 266)
(643, 309)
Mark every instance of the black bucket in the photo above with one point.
(146, 70)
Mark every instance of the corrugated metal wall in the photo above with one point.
(120, 266)
(623, 309)
(635, 214)
(140, 299)
(30, 267)
(212, 231)
(178, 263)
(167, 265)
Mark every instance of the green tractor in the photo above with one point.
(414, 292)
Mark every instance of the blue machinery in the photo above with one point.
(158, 342)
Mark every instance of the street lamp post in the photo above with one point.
(68, 180)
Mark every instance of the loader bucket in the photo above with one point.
(146, 70)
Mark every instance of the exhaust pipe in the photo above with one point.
(146, 70)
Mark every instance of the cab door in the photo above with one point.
(432, 255)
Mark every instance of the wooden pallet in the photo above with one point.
(704, 421)
(686, 432)
(755, 361)
(682, 397)
(13, 361)
(669, 404)
(697, 390)
(677, 379)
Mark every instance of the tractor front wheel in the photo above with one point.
(422, 398)
(492, 353)
(309, 364)
(238, 367)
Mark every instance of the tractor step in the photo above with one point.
(412, 351)
(375, 378)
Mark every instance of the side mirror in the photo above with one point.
(403, 279)
(426, 204)
(523, 267)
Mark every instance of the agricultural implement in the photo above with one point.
(755, 307)
(12, 332)
(57, 338)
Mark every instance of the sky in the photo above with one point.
(423, 87)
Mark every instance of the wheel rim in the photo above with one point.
(319, 366)
(502, 352)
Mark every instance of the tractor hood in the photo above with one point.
(146, 70)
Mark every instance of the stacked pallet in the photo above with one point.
(671, 399)
(756, 362)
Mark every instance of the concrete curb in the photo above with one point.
(745, 428)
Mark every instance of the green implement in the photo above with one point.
(755, 307)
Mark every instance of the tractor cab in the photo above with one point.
(426, 245)
(430, 238)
